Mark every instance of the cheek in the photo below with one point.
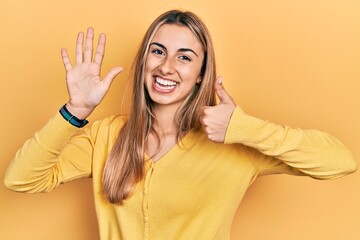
(192, 73)
(148, 73)
(195, 69)
(147, 66)
(151, 63)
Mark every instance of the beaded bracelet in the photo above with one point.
(71, 118)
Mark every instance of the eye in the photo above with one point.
(185, 58)
(157, 51)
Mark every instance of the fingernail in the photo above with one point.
(219, 80)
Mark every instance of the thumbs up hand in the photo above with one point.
(215, 119)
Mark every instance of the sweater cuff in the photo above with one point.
(56, 130)
(243, 128)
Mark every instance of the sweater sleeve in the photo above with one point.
(290, 150)
(56, 154)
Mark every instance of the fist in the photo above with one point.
(215, 119)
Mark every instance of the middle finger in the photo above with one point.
(89, 45)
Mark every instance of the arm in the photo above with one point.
(59, 152)
(285, 150)
(307, 152)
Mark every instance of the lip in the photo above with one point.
(164, 88)
(167, 79)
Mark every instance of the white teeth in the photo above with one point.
(165, 82)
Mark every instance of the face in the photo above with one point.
(173, 65)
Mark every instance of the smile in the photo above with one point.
(164, 85)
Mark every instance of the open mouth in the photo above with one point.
(164, 85)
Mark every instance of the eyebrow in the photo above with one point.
(180, 49)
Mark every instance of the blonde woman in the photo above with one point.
(178, 166)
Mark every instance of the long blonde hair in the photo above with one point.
(125, 165)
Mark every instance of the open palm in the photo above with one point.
(86, 88)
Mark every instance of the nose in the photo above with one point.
(167, 66)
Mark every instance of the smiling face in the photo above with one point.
(173, 65)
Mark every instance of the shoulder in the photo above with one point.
(107, 126)
(117, 121)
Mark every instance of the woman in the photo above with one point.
(178, 166)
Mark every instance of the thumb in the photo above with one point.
(223, 96)
(111, 75)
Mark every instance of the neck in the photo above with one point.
(165, 116)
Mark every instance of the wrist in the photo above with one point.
(79, 112)
(72, 119)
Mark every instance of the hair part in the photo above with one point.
(124, 167)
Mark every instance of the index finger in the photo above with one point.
(100, 49)
(79, 48)
(65, 59)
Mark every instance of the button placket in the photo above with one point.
(145, 200)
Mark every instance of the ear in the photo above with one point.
(198, 81)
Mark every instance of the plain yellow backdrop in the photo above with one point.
(291, 62)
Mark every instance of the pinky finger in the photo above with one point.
(65, 59)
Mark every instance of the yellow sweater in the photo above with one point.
(193, 191)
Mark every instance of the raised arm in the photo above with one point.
(60, 152)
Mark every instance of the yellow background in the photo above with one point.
(292, 62)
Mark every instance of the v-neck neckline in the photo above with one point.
(185, 142)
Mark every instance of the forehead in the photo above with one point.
(176, 36)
